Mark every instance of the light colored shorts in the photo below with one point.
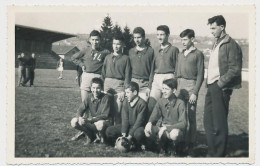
(86, 79)
(113, 85)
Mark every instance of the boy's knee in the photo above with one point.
(175, 134)
(74, 122)
(99, 125)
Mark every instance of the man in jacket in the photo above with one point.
(224, 75)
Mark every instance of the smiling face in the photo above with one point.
(216, 30)
(167, 91)
(95, 42)
(96, 90)
(162, 37)
(130, 95)
(117, 46)
(187, 42)
(138, 39)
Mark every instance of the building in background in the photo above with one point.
(31, 39)
(65, 52)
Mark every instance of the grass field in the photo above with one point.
(43, 114)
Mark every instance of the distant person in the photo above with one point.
(165, 57)
(79, 73)
(168, 121)
(224, 75)
(97, 107)
(116, 74)
(60, 66)
(141, 59)
(134, 112)
(190, 75)
(91, 61)
(21, 69)
(29, 68)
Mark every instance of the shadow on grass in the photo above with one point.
(54, 86)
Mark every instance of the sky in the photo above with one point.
(83, 22)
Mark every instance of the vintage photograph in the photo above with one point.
(104, 83)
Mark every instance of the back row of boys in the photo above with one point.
(142, 77)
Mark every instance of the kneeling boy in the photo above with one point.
(133, 117)
(98, 105)
(168, 121)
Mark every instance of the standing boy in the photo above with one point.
(165, 57)
(168, 120)
(190, 74)
(30, 67)
(116, 74)
(133, 117)
(91, 61)
(224, 75)
(141, 58)
(21, 69)
(98, 106)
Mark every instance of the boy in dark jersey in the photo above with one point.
(91, 61)
(116, 75)
(141, 59)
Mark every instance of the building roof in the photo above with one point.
(37, 34)
(62, 49)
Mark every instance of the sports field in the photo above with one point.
(43, 114)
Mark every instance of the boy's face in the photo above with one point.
(33, 55)
(130, 95)
(96, 90)
(162, 37)
(94, 41)
(22, 54)
(187, 42)
(216, 30)
(139, 40)
(117, 46)
(167, 91)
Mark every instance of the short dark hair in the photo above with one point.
(133, 86)
(95, 33)
(164, 28)
(220, 20)
(187, 32)
(119, 36)
(172, 83)
(139, 30)
(99, 81)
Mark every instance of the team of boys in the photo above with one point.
(161, 87)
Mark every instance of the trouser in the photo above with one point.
(215, 119)
(184, 91)
(21, 74)
(32, 76)
(153, 141)
(91, 128)
(143, 87)
(114, 87)
(79, 73)
(28, 74)
(113, 132)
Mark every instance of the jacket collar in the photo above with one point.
(165, 49)
(144, 50)
(98, 99)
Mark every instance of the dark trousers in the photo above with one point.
(29, 75)
(215, 119)
(113, 132)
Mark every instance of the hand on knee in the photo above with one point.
(175, 134)
(74, 122)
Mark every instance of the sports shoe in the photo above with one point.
(78, 136)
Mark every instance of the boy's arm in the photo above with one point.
(125, 117)
(76, 58)
(82, 108)
(200, 74)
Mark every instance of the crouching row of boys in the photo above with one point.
(164, 128)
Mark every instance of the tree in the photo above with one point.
(106, 33)
(117, 30)
(128, 39)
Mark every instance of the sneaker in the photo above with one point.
(78, 136)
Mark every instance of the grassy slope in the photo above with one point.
(43, 114)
